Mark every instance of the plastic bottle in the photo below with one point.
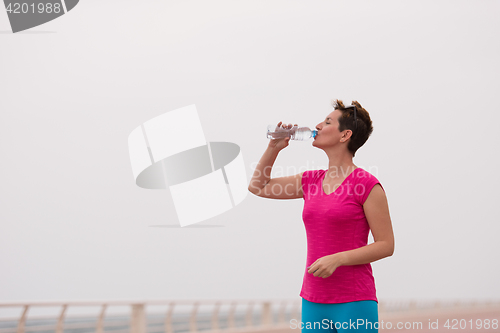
(295, 133)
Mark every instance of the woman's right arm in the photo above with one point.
(262, 185)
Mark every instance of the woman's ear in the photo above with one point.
(347, 134)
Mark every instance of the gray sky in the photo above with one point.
(75, 226)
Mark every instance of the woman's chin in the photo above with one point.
(315, 144)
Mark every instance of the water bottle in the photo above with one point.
(295, 133)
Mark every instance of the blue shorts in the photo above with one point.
(358, 316)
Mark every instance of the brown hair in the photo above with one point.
(346, 121)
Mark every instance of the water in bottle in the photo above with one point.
(295, 133)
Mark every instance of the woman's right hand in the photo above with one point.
(279, 144)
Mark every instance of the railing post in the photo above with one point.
(215, 317)
(22, 321)
(100, 322)
(192, 321)
(413, 306)
(230, 317)
(295, 311)
(281, 316)
(138, 319)
(249, 314)
(60, 321)
(266, 314)
(168, 319)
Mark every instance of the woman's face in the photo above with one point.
(328, 131)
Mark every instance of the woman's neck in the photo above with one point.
(340, 164)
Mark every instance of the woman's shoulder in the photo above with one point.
(364, 182)
(363, 175)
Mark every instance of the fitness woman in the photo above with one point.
(341, 205)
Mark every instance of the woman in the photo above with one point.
(341, 205)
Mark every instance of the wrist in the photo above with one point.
(273, 150)
(341, 258)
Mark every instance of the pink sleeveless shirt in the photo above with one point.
(334, 223)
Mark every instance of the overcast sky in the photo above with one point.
(75, 226)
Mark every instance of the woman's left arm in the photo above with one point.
(377, 213)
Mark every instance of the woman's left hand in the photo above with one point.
(325, 266)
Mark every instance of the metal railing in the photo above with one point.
(140, 319)
(409, 306)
